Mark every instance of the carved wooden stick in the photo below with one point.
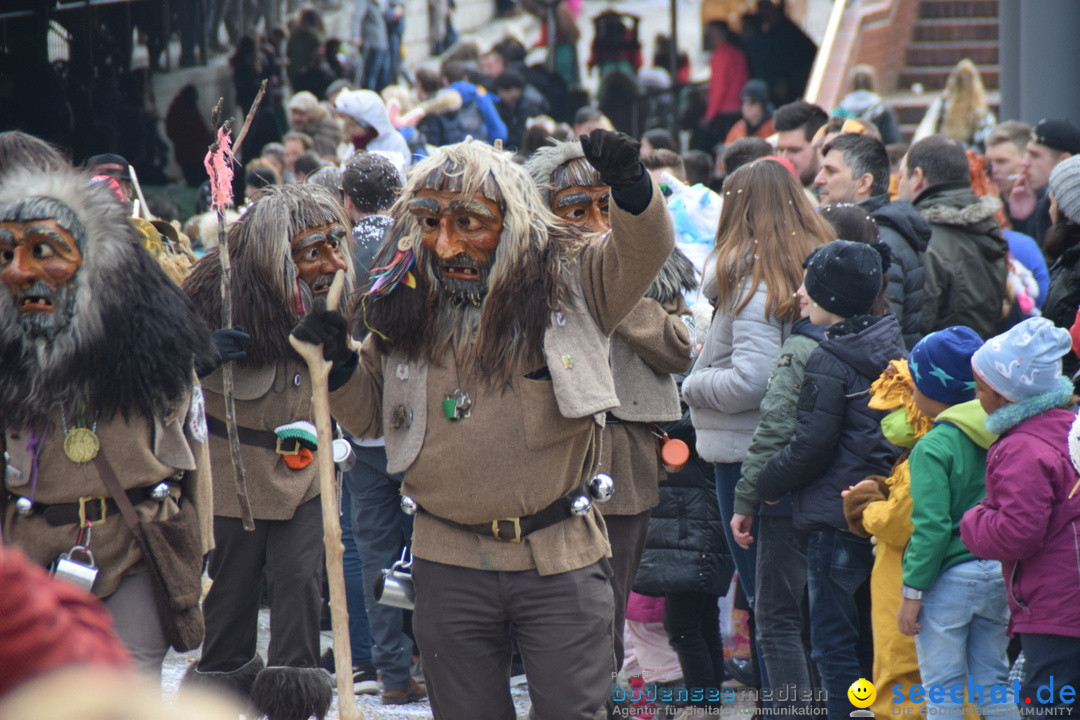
(319, 369)
(221, 183)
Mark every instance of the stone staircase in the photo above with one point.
(945, 32)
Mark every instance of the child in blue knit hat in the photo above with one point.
(1030, 518)
(953, 602)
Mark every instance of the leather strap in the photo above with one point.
(514, 529)
(248, 436)
(91, 509)
(112, 484)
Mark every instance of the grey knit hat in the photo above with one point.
(1065, 187)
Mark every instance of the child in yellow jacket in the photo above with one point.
(881, 507)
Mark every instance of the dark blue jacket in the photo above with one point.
(903, 229)
(838, 439)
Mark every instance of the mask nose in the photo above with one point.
(448, 244)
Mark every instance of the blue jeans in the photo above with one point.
(727, 476)
(359, 630)
(964, 615)
(838, 571)
(381, 530)
(780, 606)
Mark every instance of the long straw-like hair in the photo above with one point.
(965, 105)
(527, 279)
(767, 228)
(268, 298)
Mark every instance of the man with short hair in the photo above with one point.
(1029, 207)
(1005, 146)
(518, 101)
(317, 121)
(855, 169)
(796, 124)
(965, 260)
(371, 183)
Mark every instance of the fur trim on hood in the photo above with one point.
(950, 213)
(129, 340)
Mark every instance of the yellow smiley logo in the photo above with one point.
(862, 693)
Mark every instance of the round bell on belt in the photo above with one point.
(408, 505)
(24, 506)
(601, 487)
(160, 491)
(580, 506)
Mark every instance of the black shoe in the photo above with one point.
(742, 671)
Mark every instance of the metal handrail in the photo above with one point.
(821, 60)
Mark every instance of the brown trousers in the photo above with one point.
(626, 533)
(563, 625)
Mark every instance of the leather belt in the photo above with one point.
(248, 436)
(514, 529)
(87, 509)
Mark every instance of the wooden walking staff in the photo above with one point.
(319, 369)
(218, 164)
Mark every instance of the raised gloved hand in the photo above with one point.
(615, 155)
(329, 329)
(231, 343)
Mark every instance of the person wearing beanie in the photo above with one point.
(757, 112)
(1052, 141)
(837, 443)
(881, 507)
(1030, 517)
(953, 602)
(1063, 247)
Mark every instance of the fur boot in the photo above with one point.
(235, 683)
(287, 693)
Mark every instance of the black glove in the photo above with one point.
(615, 155)
(329, 329)
(231, 343)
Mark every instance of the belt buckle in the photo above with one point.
(280, 450)
(517, 529)
(82, 510)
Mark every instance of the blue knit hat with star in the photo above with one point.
(940, 364)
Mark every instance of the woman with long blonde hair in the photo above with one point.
(767, 228)
(960, 113)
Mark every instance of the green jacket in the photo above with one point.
(777, 423)
(948, 477)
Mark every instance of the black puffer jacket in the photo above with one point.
(838, 440)
(907, 234)
(685, 550)
(1063, 297)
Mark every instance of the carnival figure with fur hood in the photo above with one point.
(486, 366)
(284, 251)
(650, 344)
(98, 388)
